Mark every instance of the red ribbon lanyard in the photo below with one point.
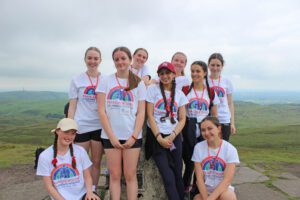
(212, 164)
(212, 80)
(123, 88)
(94, 86)
(199, 100)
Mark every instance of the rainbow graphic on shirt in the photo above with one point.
(196, 104)
(219, 164)
(89, 90)
(118, 93)
(219, 91)
(65, 176)
(160, 105)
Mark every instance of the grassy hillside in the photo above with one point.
(267, 134)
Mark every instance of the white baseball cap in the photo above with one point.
(66, 124)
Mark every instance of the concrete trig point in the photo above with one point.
(150, 182)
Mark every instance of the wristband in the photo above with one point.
(134, 137)
(174, 133)
(156, 136)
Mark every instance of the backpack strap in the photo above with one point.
(185, 89)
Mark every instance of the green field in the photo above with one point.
(268, 135)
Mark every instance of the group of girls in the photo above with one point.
(110, 113)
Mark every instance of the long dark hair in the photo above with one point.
(203, 65)
(169, 111)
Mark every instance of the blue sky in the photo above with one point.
(43, 42)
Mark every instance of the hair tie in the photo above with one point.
(54, 161)
(73, 159)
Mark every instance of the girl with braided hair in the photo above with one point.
(65, 166)
(202, 102)
(166, 118)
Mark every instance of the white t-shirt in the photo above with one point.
(143, 71)
(212, 177)
(154, 96)
(199, 108)
(86, 114)
(222, 90)
(182, 81)
(121, 110)
(68, 182)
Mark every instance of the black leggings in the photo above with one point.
(169, 164)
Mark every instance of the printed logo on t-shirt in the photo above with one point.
(160, 106)
(64, 176)
(196, 106)
(218, 168)
(89, 94)
(219, 91)
(118, 97)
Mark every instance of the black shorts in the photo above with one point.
(84, 137)
(107, 144)
(226, 130)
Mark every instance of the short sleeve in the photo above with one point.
(145, 71)
(197, 154)
(142, 91)
(232, 155)
(73, 92)
(86, 162)
(102, 84)
(150, 97)
(183, 99)
(43, 168)
(229, 87)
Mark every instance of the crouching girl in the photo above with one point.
(215, 161)
(65, 166)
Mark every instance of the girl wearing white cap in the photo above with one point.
(65, 166)
(166, 118)
(83, 109)
(121, 105)
(138, 67)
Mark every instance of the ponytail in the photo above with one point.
(133, 81)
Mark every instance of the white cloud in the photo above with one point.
(43, 42)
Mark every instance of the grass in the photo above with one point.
(267, 134)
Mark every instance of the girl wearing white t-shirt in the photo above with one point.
(83, 109)
(224, 89)
(201, 104)
(121, 105)
(138, 67)
(166, 118)
(215, 161)
(65, 166)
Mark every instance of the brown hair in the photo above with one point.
(216, 56)
(54, 161)
(94, 49)
(133, 80)
(180, 53)
(138, 49)
(213, 120)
